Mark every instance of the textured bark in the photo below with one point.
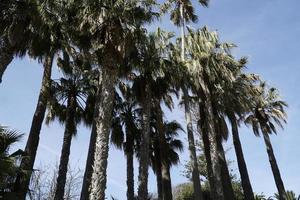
(210, 128)
(226, 180)
(166, 179)
(6, 55)
(86, 184)
(214, 153)
(22, 181)
(65, 151)
(246, 184)
(89, 166)
(193, 156)
(274, 166)
(208, 123)
(130, 169)
(145, 142)
(198, 195)
(103, 122)
(205, 139)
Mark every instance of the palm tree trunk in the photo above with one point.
(274, 166)
(188, 117)
(193, 156)
(65, 151)
(210, 127)
(169, 183)
(182, 29)
(166, 182)
(246, 184)
(89, 166)
(226, 180)
(159, 177)
(22, 181)
(214, 153)
(207, 112)
(130, 169)
(206, 145)
(144, 148)
(166, 187)
(103, 122)
(86, 184)
(6, 55)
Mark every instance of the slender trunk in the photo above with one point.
(130, 169)
(65, 151)
(246, 184)
(206, 145)
(182, 29)
(274, 166)
(166, 187)
(6, 55)
(159, 177)
(144, 148)
(169, 183)
(22, 180)
(86, 184)
(210, 127)
(226, 180)
(103, 122)
(208, 123)
(188, 117)
(214, 153)
(166, 181)
(198, 195)
(89, 166)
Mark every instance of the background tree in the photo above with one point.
(268, 111)
(8, 162)
(47, 40)
(67, 104)
(171, 157)
(183, 13)
(126, 130)
(43, 183)
(209, 66)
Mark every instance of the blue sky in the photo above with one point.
(265, 31)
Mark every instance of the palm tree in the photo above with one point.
(90, 114)
(22, 182)
(112, 27)
(184, 13)
(210, 66)
(6, 56)
(268, 111)
(22, 30)
(8, 162)
(163, 87)
(154, 66)
(222, 134)
(43, 45)
(232, 101)
(171, 157)
(236, 104)
(16, 17)
(67, 103)
(126, 130)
